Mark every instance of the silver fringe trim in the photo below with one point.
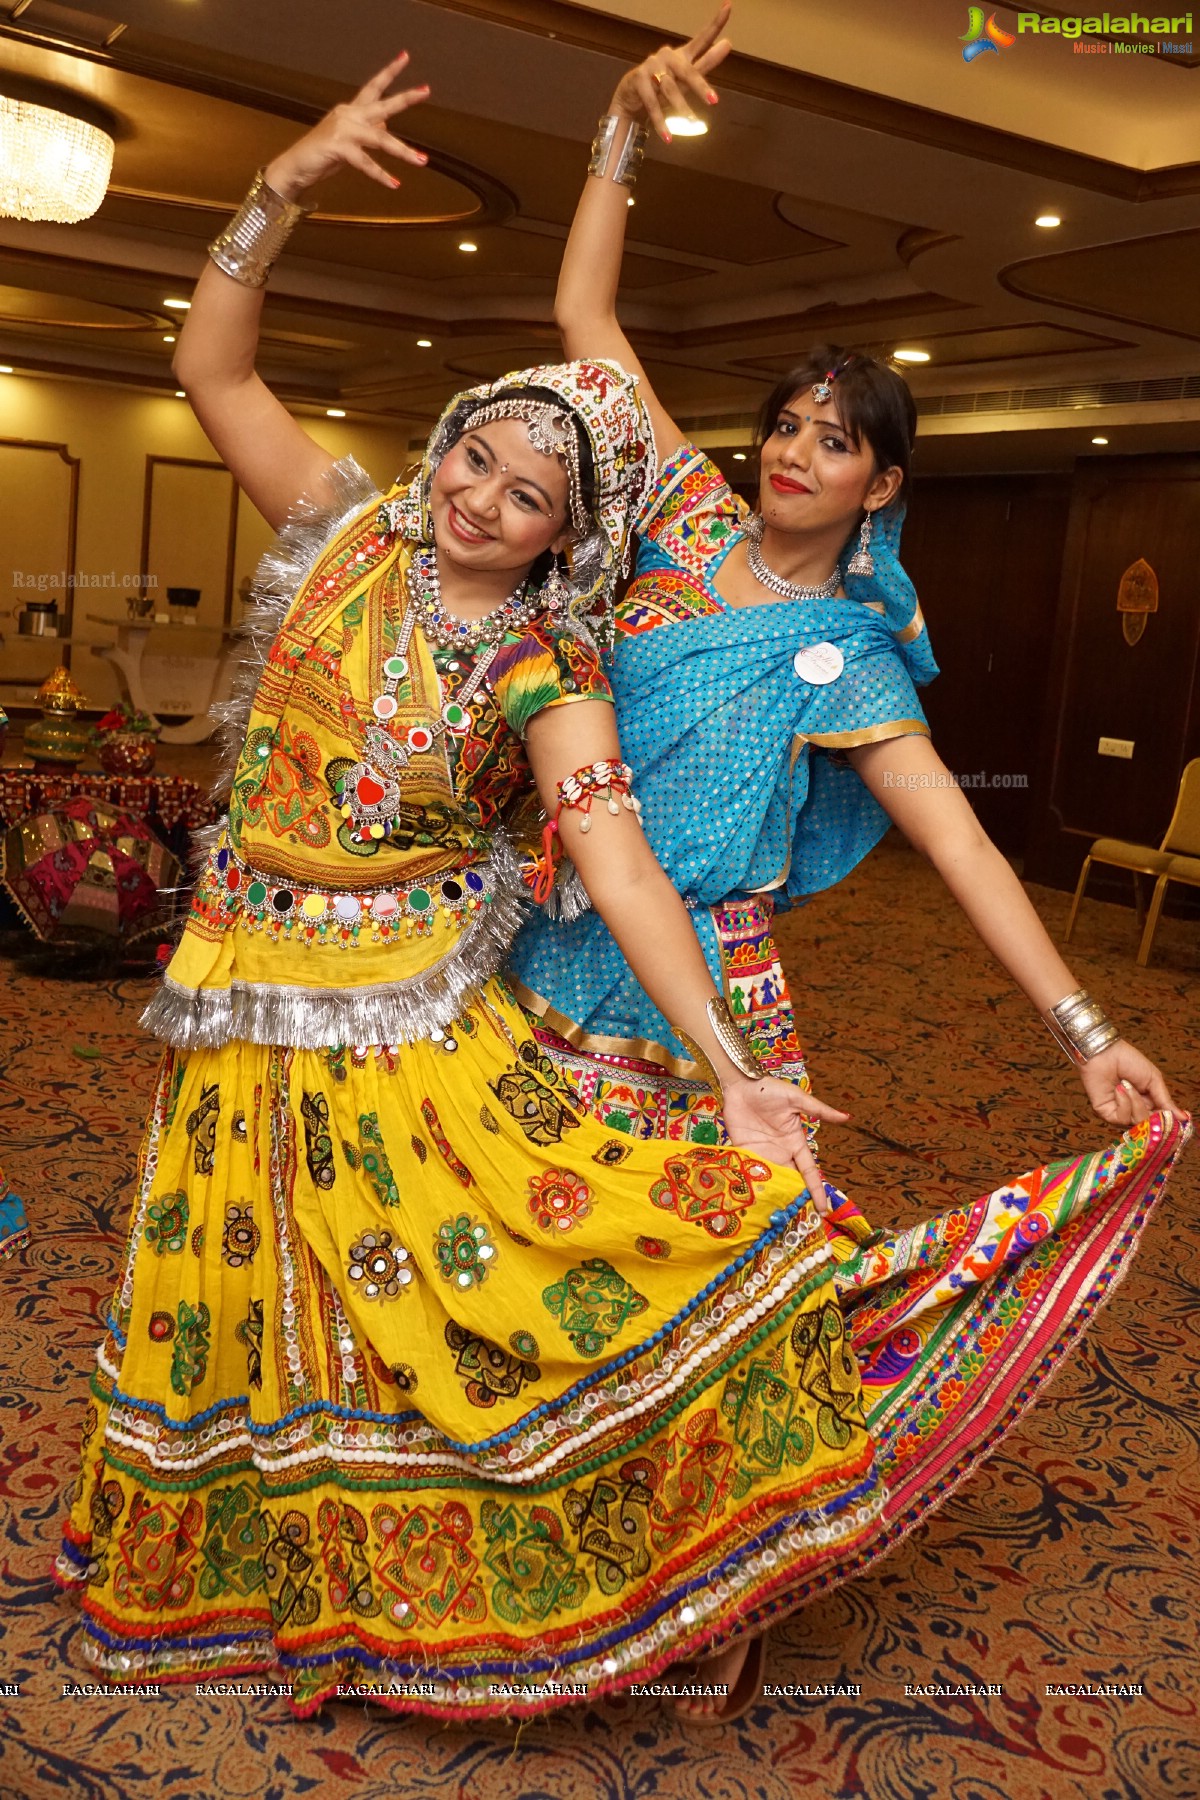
(402, 1012)
(277, 581)
(204, 842)
(569, 899)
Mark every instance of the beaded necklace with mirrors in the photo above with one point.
(368, 793)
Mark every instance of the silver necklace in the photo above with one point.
(778, 584)
(446, 629)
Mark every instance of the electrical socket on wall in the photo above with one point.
(1116, 747)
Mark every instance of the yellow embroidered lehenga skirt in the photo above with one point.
(417, 1376)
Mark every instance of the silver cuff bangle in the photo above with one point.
(725, 1030)
(628, 160)
(256, 234)
(1080, 1026)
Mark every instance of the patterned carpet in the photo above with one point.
(1074, 1558)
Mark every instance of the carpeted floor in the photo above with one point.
(1074, 1557)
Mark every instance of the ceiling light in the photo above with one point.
(179, 394)
(739, 456)
(168, 340)
(334, 412)
(54, 160)
(424, 343)
(679, 126)
(178, 305)
(630, 201)
(5, 368)
(1099, 440)
(911, 356)
(468, 246)
(1047, 221)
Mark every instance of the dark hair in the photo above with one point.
(873, 402)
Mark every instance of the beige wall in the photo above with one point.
(112, 431)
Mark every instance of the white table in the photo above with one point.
(204, 678)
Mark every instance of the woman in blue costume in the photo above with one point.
(765, 680)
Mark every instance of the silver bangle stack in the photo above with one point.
(1080, 1026)
(256, 234)
(628, 159)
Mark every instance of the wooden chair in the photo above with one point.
(1180, 868)
(1176, 859)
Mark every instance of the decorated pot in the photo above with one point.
(58, 741)
(126, 752)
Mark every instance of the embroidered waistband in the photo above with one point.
(235, 893)
(401, 1011)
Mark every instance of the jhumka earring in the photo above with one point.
(862, 562)
(556, 592)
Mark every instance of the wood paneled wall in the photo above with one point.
(985, 553)
(1101, 686)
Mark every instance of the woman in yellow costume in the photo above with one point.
(416, 1376)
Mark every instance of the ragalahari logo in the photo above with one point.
(982, 34)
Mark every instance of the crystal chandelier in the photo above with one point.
(53, 163)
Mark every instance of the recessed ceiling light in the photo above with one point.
(178, 305)
(739, 456)
(5, 369)
(168, 340)
(1047, 221)
(334, 412)
(468, 246)
(911, 356)
(1099, 440)
(630, 201)
(678, 126)
(179, 394)
(424, 343)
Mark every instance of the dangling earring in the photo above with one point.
(862, 562)
(556, 592)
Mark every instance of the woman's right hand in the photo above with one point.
(345, 138)
(676, 75)
(767, 1117)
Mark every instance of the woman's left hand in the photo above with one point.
(1124, 1086)
(767, 1117)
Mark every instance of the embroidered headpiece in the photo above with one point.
(598, 404)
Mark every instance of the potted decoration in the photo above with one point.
(59, 739)
(127, 740)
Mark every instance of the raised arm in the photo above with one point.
(651, 925)
(671, 82)
(270, 455)
(913, 785)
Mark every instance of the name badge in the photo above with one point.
(819, 664)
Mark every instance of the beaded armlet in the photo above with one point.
(576, 792)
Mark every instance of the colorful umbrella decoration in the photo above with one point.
(87, 871)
